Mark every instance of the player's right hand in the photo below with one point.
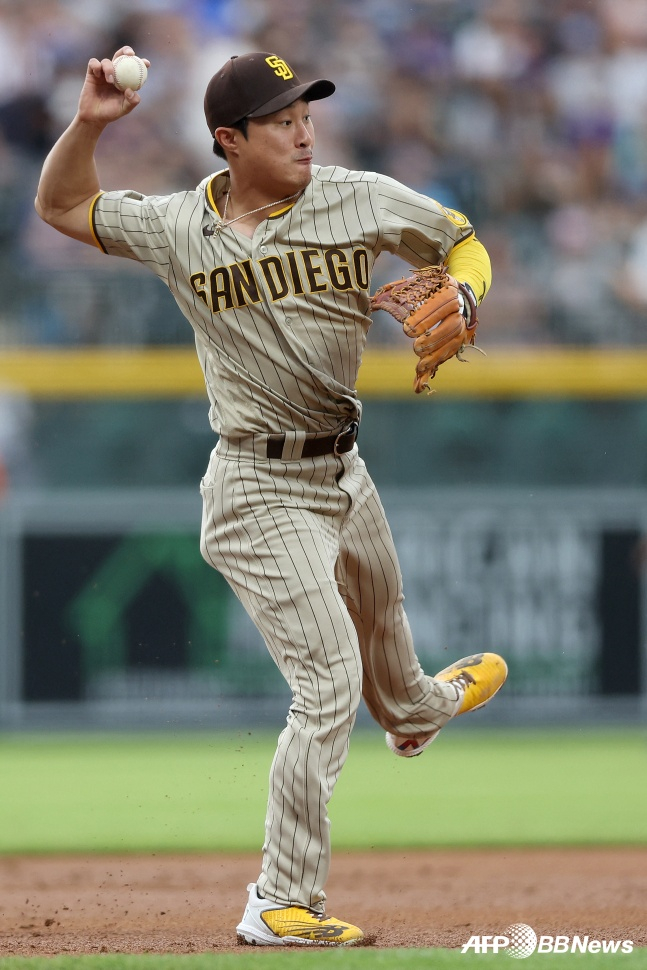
(101, 102)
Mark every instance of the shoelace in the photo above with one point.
(463, 680)
(320, 916)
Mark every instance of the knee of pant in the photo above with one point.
(334, 704)
(347, 701)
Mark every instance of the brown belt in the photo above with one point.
(334, 444)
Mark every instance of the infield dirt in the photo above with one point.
(191, 903)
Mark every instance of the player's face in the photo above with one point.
(278, 150)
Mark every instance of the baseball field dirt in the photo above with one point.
(191, 903)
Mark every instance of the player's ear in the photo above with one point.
(227, 138)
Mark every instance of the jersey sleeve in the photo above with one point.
(416, 227)
(469, 262)
(134, 226)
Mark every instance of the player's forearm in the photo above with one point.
(69, 175)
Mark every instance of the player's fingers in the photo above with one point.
(123, 50)
(94, 67)
(128, 51)
(108, 70)
(131, 97)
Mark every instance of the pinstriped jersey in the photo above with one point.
(280, 319)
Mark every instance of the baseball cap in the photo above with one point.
(253, 85)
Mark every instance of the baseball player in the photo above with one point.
(270, 261)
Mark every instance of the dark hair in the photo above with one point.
(239, 126)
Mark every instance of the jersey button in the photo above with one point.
(264, 249)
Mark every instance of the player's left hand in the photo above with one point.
(436, 311)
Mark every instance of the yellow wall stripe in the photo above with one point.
(168, 372)
(507, 372)
(118, 372)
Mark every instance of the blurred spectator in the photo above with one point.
(582, 268)
(529, 116)
(631, 281)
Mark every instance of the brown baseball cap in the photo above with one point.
(253, 85)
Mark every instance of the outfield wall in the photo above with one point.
(109, 617)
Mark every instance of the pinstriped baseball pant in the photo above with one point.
(307, 549)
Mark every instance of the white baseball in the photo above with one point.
(130, 72)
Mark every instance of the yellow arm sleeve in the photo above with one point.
(468, 262)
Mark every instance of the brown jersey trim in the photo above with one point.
(93, 223)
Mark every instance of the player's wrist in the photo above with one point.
(470, 304)
(86, 127)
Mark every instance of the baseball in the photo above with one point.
(130, 72)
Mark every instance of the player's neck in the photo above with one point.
(247, 206)
(244, 198)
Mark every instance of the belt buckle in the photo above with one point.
(350, 430)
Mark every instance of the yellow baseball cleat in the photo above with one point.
(477, 678)
(266, 923)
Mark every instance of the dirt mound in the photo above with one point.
(191, 903)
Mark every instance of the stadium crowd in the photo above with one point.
(528, 115)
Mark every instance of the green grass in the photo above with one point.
(363, 959)
(179, 792)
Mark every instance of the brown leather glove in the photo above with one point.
(436, 311)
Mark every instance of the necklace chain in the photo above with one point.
(224, 223)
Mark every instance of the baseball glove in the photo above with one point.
(436, 311)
